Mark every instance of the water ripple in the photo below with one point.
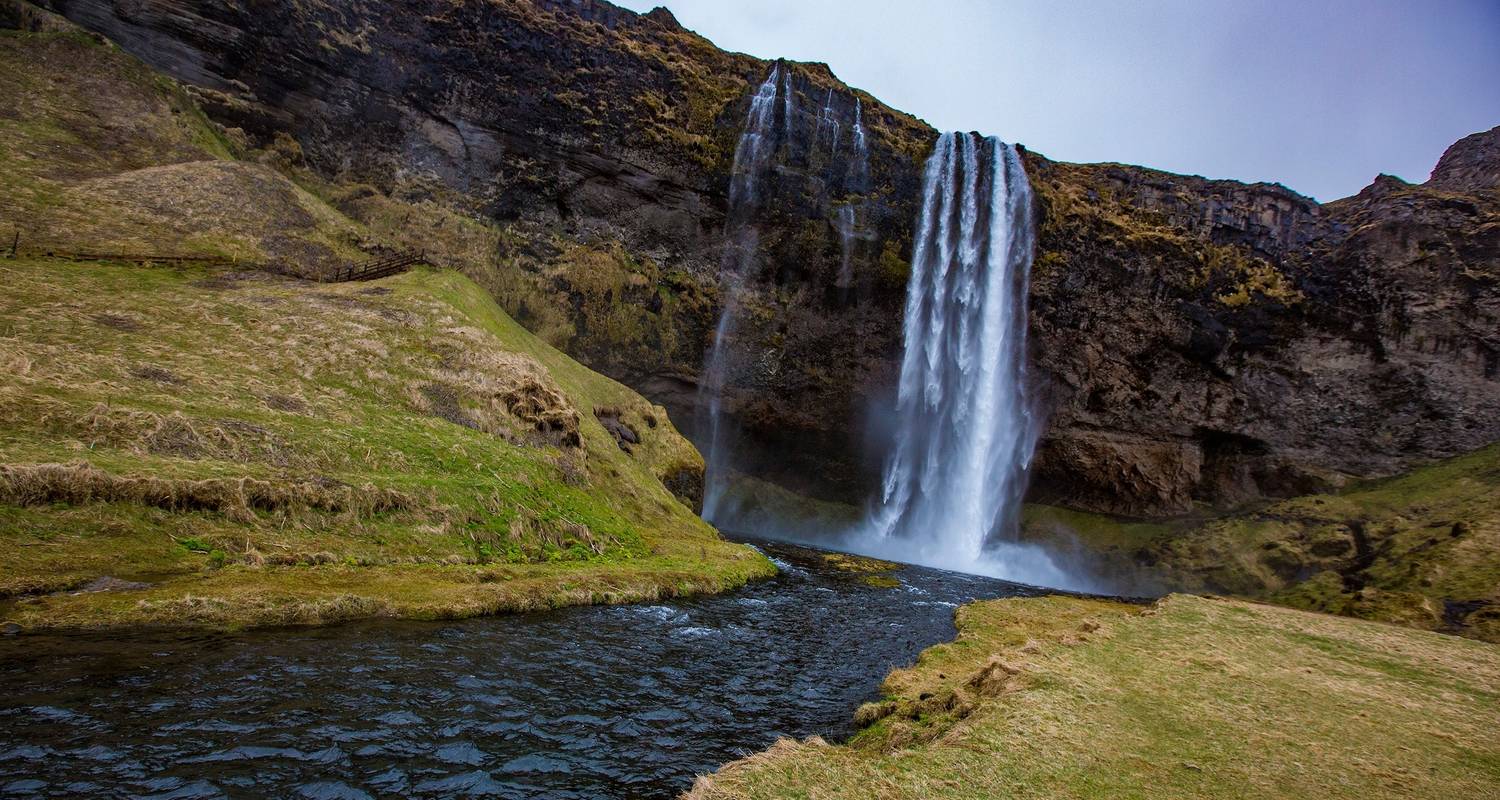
(627, 701)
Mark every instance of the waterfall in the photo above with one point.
(954, 479)
(859, 177)
(827, 119)
(856, 180)
(859, 126)
(753, 150)
(847, 231)
(740, 241)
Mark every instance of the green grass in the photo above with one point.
(1395, 549)
(199, 382)
(750, 502)
(1099, 531)
(1193, 698)
(265, 451)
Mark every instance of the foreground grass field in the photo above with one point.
(1192, 698)
(191, 446)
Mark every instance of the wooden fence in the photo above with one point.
(381, 267)
(133, 258)
(377, 268)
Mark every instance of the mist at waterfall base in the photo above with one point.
(964, 430)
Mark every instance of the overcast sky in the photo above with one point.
(1320, 96)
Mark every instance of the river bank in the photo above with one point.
(619, 701)
(1196, 697)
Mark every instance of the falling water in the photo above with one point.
(847, 231)
(952, 488)
(828, 120)
(856, 180)
(754, 148)
(859, 177)
(741, 239)
(859, 126)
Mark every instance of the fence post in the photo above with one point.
(15, 243)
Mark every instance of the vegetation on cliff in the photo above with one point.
(103, 155)
(230, 444)
(1193, 697)
(1422, 549)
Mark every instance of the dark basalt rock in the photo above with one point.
(1195, 340)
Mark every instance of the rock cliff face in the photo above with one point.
(1213, 341)
(1197, 340)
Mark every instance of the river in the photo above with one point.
(622, 701)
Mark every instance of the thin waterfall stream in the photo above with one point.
(856, 181)
(741, 239)
(859, 179)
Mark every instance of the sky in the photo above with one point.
(1319, 96)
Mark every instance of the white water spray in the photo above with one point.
(953, 482)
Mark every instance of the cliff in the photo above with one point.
(1212, 341)
(1198, 341)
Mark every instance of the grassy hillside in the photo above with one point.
(1192, 698)
(103, 155)
(225, 446)
(1422, 549)
(262, 450)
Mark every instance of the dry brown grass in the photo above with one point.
(513, 391)
(229, 208)
(102, 155)
(1194, 698)
(221, 432)
(145, 432)
(265, 426)
(237, 498)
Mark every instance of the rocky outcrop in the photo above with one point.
(1211, 341)
(1197, 340)
(1472, 164)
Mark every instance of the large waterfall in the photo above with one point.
(965, 432)
(741, 240)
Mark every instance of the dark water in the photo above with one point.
(628, 701)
